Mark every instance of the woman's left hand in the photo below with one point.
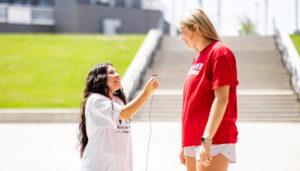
(205, 153)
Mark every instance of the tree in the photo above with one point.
(248, 27)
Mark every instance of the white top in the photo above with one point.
(109, 145)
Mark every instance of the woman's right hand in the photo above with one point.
(151, 85)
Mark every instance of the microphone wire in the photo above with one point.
(150, 132)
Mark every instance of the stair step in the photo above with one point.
(240, 119)
(264, 92)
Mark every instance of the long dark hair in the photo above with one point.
(96, 82)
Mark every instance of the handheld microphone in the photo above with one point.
(154, 75)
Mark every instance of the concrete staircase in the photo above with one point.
(264, 93)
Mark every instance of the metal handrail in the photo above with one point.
(133, 75)
(142, 60)
(289, 55)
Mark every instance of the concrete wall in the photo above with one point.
(133, 20)
(85, 18)
(66, 19)
(21, 28)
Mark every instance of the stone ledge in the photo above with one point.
(39, 115)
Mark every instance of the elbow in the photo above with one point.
(123, 118)
(124, 115)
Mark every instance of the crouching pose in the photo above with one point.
(104, 128)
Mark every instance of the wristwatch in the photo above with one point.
(203, 139)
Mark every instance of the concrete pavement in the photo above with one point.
(262, 146)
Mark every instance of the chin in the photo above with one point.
(118, 87)
(189, 46)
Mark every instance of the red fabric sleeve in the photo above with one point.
(224, 71)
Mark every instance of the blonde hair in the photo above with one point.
(197, 16)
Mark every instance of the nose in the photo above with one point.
(117, 75)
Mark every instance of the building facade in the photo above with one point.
(77, 16)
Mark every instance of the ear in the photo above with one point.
(196, 27)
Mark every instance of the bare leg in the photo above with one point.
(218, 163)
(190, 163)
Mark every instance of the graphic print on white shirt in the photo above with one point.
(195, 69)
(124, 126)
(110, 145)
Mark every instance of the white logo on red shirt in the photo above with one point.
(195, 69)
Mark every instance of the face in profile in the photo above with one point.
(113, 79)
(188, 37)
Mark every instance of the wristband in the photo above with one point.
(203, 139)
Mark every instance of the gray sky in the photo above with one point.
(282, 10)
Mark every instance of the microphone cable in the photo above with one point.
(150, 131)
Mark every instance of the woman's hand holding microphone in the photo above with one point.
(132, 107)
(151, 85)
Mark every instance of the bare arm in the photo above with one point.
(132, 107)
(217, 111)
(215, 117)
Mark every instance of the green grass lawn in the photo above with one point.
(49, 70)
(296, 41)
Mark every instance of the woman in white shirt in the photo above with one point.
(104, 127)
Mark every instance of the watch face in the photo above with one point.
(202, 139)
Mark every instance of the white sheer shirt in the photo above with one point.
(109, 145)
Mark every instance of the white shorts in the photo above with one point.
(228, 150)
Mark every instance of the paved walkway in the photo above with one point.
(51, 147)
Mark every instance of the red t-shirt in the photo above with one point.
(214, 67)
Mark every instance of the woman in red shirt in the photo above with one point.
(209, 112)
